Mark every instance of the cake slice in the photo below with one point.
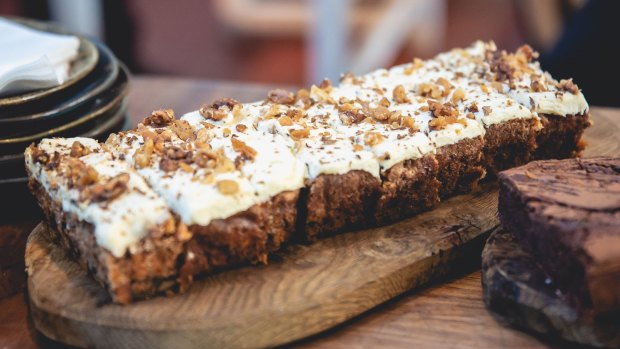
(105, 213)
(567, 213)
(235, 189)
(245, 179)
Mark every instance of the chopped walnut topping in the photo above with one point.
(205, 158)
(527, 52)
(442, 109)
(473, 107)
(78, 150)
(300, 133)
(241, 127)
(384, 102)
(229, 103)
(379, 113)
(447, 86)
(400, 95)
(295, 114)
(321, 94)
(569, 86)
(142, 156)
(486, 110)
(442, 122)
(107, 191)
(160, 118)
(39, 156)
(285, 121)
(357, 147)
(172, 156)
(416, 64)
(508, 67)
(350, 117)
(241, 147)
(373, 138)
(280, 96)
(79, 174)
(211, 113)
(484, 88)
(470, 116)
(429, 90)
(458, 95)
(408, 122)
(326, 85)
(183, 130)
(537, 86)
(227, 186)
(303, 95)
(350, 77)
(219, 109)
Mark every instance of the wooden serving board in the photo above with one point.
(302, 291)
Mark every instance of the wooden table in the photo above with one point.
(447, 313)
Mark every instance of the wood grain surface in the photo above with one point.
(449, 313)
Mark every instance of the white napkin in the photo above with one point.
(32, 59)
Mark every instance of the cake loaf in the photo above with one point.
(243, 179)
(567, 213)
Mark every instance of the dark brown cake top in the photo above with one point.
(583, 184)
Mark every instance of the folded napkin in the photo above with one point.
(31, 59)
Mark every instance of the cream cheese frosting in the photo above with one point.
(118, 225)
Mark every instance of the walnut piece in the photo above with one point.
(458, 95)
(442, 109)
(78, 150)
(300, 133)
(227, 186)
(38, 155)
(107, 191)
(218, 109)
(569, 86)
(241, 147)
(183, 130)
(280, 96)
(142, 156)
(373, 138)
(160, 118)
(400, 95)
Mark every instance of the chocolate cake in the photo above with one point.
(567, 214)
(239, 180)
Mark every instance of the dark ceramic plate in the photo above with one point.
(12, 166)
(22, 121)
(102, 106)
(17, 201)
(22, 204)
(83, 64)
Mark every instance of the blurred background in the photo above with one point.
(296, 42)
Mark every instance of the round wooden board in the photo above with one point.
(303, 291)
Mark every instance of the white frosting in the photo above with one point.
(198, 201)
(119, 224)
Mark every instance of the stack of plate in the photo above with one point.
(91, 103)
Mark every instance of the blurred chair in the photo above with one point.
(84, 16)
(354, 35)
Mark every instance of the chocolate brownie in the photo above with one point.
(567, 213)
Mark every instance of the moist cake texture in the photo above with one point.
(567, 213)
(243, 179)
